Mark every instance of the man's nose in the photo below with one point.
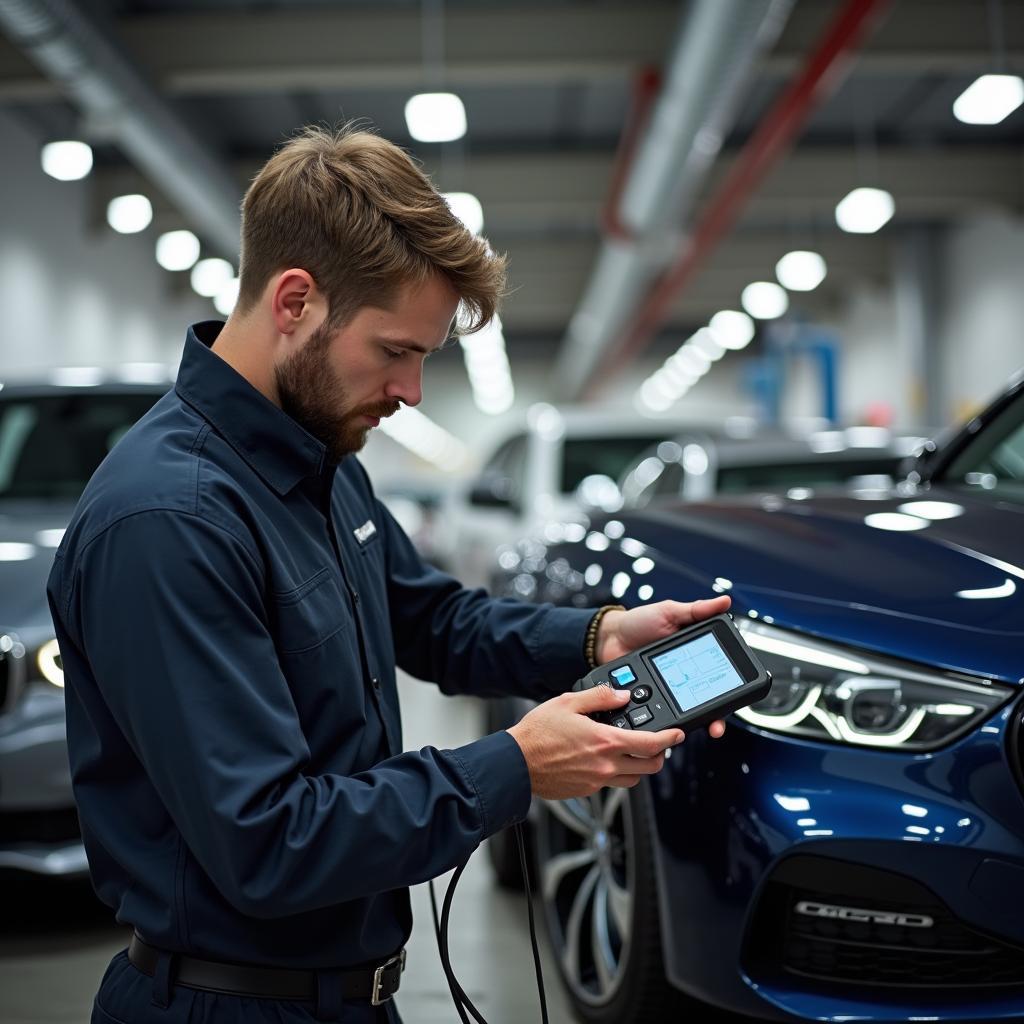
(407, 387)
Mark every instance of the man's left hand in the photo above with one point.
(624, 631)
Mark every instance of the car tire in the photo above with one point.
(595, 864)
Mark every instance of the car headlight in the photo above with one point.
(49, 664)
(822, 691)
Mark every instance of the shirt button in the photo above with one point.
(375, 683)
(355, 597)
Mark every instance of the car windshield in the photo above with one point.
(608, 456)
(51, 444)
(809, 473)
(993, 461)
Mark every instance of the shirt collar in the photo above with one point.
(265, 436)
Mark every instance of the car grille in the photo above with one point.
(845, 924)
(51, 826)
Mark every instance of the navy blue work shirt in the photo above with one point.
(230, 609)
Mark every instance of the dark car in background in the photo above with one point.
(853, 848)
(697, 466)
(52, 438)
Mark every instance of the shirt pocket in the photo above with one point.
(310, 614)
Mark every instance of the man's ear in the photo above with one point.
(296, 302)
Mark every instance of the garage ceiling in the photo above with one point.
(548, 89)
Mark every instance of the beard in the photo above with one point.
(312, 393)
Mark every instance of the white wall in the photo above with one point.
(982, 341)
(73, 294)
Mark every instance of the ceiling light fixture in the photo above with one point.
(801, 270)
(733, 329)
(177, 250)
(130, 214)
(66, 160)
(210, 275)
(467, 208)
(435, 117)
(989, 99)
(864, 210)
(765, 300)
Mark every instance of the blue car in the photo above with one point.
(853, 848)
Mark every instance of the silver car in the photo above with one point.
(52, 438)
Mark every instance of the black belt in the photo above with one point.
(378, 984)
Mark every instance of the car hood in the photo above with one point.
(951, 593)
(29, 533)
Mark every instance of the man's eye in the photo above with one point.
(394, 353)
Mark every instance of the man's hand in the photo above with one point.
(570, 755)
(622, 632)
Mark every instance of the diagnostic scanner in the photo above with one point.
(683, 681)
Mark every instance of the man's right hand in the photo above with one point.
(569, 754)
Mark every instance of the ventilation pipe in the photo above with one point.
(72, 47)
(713, 58)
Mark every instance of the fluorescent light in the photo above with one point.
(934, 510)
(435, 117)
(143, 373)
(177, 250)
(707, 345)
(66, 160)
(128, 215)
(801, 270)
(226, 297)
(422, 436)
(467, 208)
(12, 551)
(989, 99)
(210, 275)
(765, 300)
(77, 376)
(487, 366)
(864, 210)
(731, 328)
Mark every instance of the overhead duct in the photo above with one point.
(713, 58)
(71, 47)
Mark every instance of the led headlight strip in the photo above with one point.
(49, 663)
(825, 692)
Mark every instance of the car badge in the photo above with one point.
(365, 532)
(837, 913)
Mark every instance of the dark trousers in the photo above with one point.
(127, 996)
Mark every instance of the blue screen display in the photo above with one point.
(697, 671)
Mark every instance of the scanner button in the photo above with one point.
(623, 675)
(641, 694)
(639, 716)
(620, 722)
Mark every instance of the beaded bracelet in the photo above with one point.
(590, 640)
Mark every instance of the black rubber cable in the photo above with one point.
(533, 931)
(462, 1001)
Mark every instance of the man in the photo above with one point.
(231, 602)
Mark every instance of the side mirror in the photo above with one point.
(917, 468)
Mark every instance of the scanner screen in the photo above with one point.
(697, 671)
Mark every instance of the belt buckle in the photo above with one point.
(378, 977)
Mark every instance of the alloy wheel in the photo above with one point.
(587, 882)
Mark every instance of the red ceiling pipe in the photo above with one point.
(819, 78)
(646, 86)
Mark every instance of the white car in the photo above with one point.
(563, 461)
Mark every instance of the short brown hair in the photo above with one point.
(356, 213)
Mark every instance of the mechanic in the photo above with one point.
(231, 602)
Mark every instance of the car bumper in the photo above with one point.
(734, 814)
(38, 823)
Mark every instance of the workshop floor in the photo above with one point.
(56, 938)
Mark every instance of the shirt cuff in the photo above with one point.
(557, 646)
(496, 769)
